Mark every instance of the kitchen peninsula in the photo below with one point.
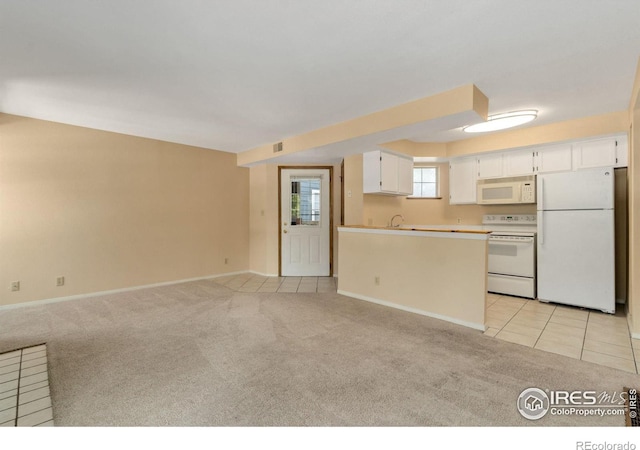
(440, 273)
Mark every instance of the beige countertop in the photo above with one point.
(417, 228)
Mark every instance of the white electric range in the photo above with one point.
(512, 254)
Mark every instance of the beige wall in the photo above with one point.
(353, 196)
(110, 211)
(634, 208)
(439, 276)
(634, 221)
(264, 217)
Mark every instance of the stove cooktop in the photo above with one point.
(510, 224)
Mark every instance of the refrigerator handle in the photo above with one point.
(541, 196)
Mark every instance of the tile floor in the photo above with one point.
(24, 388)
(248, 282)
(574, 332)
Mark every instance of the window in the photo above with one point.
(425, 182)
(305, 200)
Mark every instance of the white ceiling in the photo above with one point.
(235, 74)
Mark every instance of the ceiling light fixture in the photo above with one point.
(503, 121)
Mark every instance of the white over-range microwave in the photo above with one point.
(507, 191)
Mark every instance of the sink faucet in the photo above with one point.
(391, 223)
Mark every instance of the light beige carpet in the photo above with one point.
(199, 354)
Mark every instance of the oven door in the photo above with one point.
(512, 255)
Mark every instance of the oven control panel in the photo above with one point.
(502, 219)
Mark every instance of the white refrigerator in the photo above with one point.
(576, 242)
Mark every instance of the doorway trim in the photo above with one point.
(330, 169)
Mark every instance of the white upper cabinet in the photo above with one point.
(612, 151)
(518, 163)
(553, 158)
(387, 173)
(595, 153)
(490, 166)
(405, 175)
(622, 151)
(462, 180)
(465, 172)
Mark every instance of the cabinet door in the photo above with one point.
(518, 163)
(596, 153)
(622, 151)
(555, 158)
(405, 175)
(388, 172)
(462, 180)
(490, 166)
(371, 172)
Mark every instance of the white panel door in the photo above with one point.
(305, 222)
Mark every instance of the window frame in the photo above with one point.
(437, 182)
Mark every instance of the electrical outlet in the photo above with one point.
(459, 220)
(226, 260)
(370, 222)
(15, 286)
(60, 281)
(376, 280)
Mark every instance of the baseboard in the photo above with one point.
(633, 335)
(263, 274)
(475, 326)
(116, 291)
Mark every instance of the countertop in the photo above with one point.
(427, 228)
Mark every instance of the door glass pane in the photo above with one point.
(305, 200)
